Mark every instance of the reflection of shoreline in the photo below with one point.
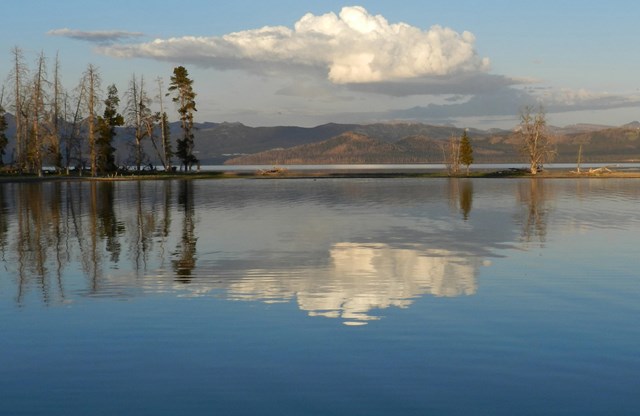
(359, 279)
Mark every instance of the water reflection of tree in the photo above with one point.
(184, 257)
(95, 264)
(141, 231)
(58, 234)
(109, 227)
(164, 226)
(148, 224)
(31, 257)
(4, 224)
(76, 200)
(460, 192)
(47, 227)
(38, 243)
(533, 196)
(466, 198)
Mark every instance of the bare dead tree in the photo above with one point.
(91, 81)
(534, 139)
(72, 114)
(138, 116)
(37, 116)
(451, 154)
(55, 115)
(4, 140)
(18, 73)
(165, 138)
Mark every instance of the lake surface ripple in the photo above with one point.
(320, 297)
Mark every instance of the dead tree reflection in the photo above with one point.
(53, 232)
(38, 243)
(30, 247)
(58, 234)
(164, 226)
(4, 225)
(533, 196)
(75, 201)
(139, 240)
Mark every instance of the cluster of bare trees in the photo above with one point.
(75, 129)
(458, 151)
(37, 107)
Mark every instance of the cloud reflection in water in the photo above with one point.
(359, 279)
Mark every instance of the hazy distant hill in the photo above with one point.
(350, 147)
(620, 144)
(605, 145)
(220, 142)
(231, 140)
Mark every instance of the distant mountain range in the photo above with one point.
(349, 148)
(421, 143)
(236, 143)
(228, 141)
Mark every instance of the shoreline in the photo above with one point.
(333, 174)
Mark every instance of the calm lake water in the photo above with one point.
(320, 297)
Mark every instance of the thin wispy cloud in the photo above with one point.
(507, 101)
(459, 84)
(352, 47)
(573, 100)
(97, 36)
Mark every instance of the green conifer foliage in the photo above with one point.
(107, 131)
(466, 151)
(184, 97)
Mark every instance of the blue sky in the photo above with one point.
(303, 63)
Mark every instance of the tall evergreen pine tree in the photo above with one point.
(107, 131)
(466, 151)
(184, 96)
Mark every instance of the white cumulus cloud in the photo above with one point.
(351, 47)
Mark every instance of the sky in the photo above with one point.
(306, 63)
